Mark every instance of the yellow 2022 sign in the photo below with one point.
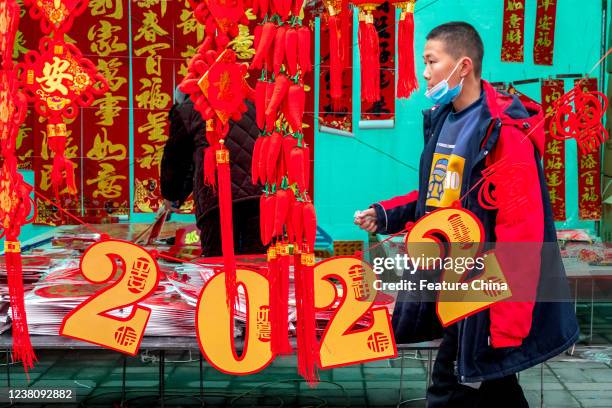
(343, 284)
(461, 233)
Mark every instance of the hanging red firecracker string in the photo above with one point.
(58, 80)
(577, 115)
(406, 79)
(369, 52)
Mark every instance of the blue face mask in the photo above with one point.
(441, 94)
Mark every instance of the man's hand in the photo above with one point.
(366, 220)
(172, 206)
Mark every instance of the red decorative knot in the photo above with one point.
(504, 188)
(577, 115)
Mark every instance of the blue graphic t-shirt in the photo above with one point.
(449, 157)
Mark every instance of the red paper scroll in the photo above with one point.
(102, 32)
(554, 152)
(544, 40)
(514, 31)
(336, 114)
(153, 89)
(384, 109)
(589, 172)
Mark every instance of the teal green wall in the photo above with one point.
(353, 172)
(349, 175)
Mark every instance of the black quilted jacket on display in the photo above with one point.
(183, 159)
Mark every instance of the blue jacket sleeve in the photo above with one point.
(392, 215)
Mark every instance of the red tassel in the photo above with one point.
(227, 227)
(407, 81)
(278, 256)
(56, 140)
(307, 335)
(369, 55)
(336, 65)
(210, 176)
(22, 347)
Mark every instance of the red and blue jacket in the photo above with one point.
(510, 336)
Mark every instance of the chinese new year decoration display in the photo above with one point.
(58, 80)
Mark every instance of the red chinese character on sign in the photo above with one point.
(360, 287)
(378, 342)
(138, 275)
(264, 329)
(125, 336)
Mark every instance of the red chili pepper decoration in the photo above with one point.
(295, 167)
(255, 160)
(279, 49)
(267, 37)
(273, 153)
(264, 7)
(289, 219)
(282, 208)
(298, 221)
(291, 45)
(270, 209)
(289, 142)
(260, 103)
(262, 217)
(256, 35)
(304, 50)
(283, 8)
(296, 102)
(296, 7)
(310, 225)
(306, 168)
(280, 91)
(262, 168)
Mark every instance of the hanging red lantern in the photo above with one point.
(369, 50)
(406, 76)
(56, 16)
(58, 80)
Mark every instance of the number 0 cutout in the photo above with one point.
(340, 345)
(215, 325)
(139, 277)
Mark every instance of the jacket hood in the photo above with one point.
(512, 110)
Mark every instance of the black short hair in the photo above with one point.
(460, 39)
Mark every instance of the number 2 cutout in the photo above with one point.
(464, 232)
(139, 277)
(341, 345)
